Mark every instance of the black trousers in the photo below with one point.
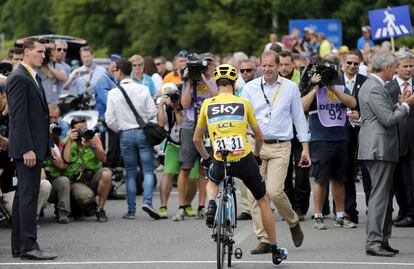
(403, 186)
(349, 184)
(299, 193)
(24, 223)
(113, 155)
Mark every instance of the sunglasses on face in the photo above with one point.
(60, 49)
(352, 63)
(137, 65)
(248, 70)
(160, 63)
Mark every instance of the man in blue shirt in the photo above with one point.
(277, 106)
(365, 38)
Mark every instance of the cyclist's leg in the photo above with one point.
(215, 175)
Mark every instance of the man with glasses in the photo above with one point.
(61, 51)
(85, 77)
(353, 82)
(52, 74)
(138, 74)
(247, 70)
(160, 63)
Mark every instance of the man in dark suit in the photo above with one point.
(29, 145)
(353, 81)
(404, 172)
(378, 147)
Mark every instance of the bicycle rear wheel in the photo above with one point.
(221, 232)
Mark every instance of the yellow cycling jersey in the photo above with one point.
(227, 117)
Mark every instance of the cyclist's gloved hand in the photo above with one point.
(206, 163)
(258, 160)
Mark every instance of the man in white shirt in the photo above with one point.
(120, 118)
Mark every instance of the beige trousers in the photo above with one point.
(274, 168)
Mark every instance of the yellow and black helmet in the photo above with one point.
(225, 71)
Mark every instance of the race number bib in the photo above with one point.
(231, 143)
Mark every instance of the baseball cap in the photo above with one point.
(115, 57)
(366, 28)
(168, 88)
(182, 54)
(207, 56)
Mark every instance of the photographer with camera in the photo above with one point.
(52, 74)
(170, 114)
(327, 104)
(84, 78)
(57, 125)
(199, 85)
(83, 153)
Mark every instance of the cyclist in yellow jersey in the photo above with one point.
(227, 118)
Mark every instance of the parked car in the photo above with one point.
(74, 44)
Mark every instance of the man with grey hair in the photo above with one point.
(378, 147)
(404, 171)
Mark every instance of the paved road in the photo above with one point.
(146, 243)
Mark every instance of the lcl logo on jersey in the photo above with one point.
(225, 112)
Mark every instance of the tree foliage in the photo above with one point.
(163, 27)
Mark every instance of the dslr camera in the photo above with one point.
(174, 97)
(327, 71)
(6, 68)
(195, 66)
(85, 133)
(55, 129)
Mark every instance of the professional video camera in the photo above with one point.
(195, 66)
(327, 71)
(85, 133)
(6, 68)
(55, 129)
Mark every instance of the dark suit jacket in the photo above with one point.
(360, 79)
(29, 116)
(405, 127)
(378, 137)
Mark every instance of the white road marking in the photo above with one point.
(204, 262)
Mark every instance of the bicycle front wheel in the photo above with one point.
(221, 232)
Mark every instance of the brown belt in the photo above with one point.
(274, 141)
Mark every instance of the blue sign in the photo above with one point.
(390, 22)
(332, 28)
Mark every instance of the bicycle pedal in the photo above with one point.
(238, 253)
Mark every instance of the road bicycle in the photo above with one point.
(225, 220)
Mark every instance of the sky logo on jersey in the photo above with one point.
(225, 112)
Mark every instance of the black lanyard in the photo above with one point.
(265, 97)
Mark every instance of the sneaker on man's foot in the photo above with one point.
(101, 215)
(201, 213)
(150, 211)
(179, 216)
(163, 213)
(318, 224)
(210, 214)
(278, 254)
(189, 212)
(344, 222)
(129, 215)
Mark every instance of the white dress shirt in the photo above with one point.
(119, 116)
(286, 110)
(401, 82)
(350, 83)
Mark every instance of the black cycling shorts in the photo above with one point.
(246, 169)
